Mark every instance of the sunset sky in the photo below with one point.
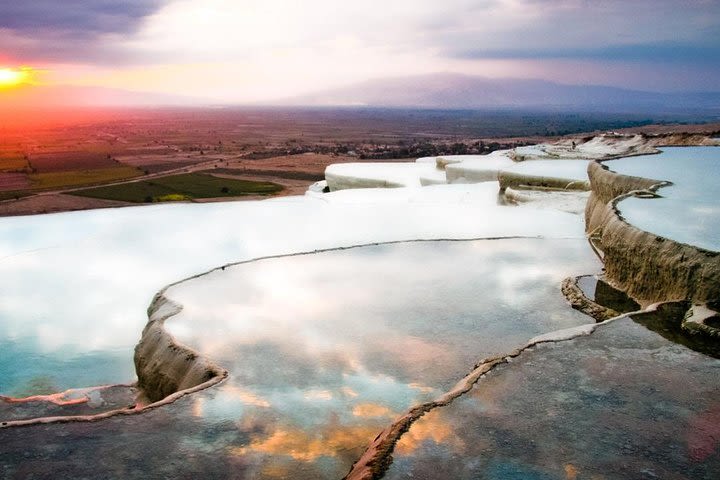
(259, 50)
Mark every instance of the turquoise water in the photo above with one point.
(30, 369)
(74, 287)
(689, 210)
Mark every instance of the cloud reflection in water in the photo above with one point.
(344, 340)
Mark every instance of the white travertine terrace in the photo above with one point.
(478, 168)
(535, 164)
(601, 147)
(543, 183)
(343, 176)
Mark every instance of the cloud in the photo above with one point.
(255, 46)
(77, 17)
(71, 31)
(646, 30)
(140, 31)
(657, 52)
(656, 31)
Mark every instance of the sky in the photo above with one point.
(265, 50)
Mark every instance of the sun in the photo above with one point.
(12, 77)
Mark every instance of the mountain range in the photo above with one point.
(435, 91)
(454, 91)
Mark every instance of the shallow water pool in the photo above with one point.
(325, 349)
(689, 210)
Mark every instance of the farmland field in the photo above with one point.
(75, 178)
(12, 195)
(181, 187)
(13, 181)
(290, 175)
(157, 163)
(69, 161)
(11, 162)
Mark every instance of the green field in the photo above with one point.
(13, 195)
(180, 187)
(78, 178)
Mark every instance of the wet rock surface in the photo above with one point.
(80, 402)
(621, 403)
(594, 297)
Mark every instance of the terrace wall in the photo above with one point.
(650, 268)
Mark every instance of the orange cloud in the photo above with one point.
(430, 427)
(308, 446)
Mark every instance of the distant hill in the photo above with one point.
(437, 91)
(454, 91)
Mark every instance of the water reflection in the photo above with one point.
(693, 197)
(667, 322)
(622, 403)
(324, 349)
(606, 295)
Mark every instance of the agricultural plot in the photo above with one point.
(157, 150)
(70, 161)
(13, 181)
(157, 163)
(286, 174)
(13, 195)
(180, 187)
(12, 162)
(74, 178)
